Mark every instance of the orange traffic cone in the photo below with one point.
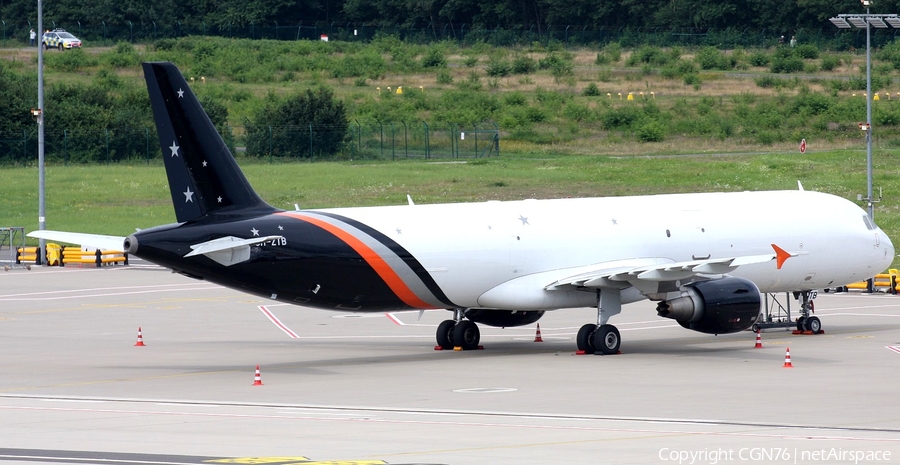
(537, 334)
(787, 359)
(257, 381)
(758, 341)
(140, 339)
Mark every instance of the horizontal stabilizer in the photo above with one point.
(228, 250)
(96, 241)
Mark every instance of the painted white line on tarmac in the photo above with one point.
(277, 322)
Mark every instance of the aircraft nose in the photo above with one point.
(884, 242)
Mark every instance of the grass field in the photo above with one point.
(116, 199)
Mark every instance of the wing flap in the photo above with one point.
(621, 274)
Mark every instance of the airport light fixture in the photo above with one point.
(864, 21)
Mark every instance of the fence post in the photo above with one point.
(405, 140)
(382, 137)
(107, 146)
(147, 143)
(66, 147)
(24, 145)
(496, 138)
(270, 144)
(476, 139)
(393, 144)
(427, 142)
(310, 142)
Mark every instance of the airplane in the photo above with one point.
(706, 258)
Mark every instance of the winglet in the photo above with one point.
(781, 255)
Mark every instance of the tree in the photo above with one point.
(312, 123)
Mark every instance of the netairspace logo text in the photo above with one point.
(771, 455)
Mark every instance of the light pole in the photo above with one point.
(881, 21)
(39, 117)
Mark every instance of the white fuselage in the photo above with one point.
(502, 254)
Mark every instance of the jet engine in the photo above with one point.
(718, 306)
(503, 318)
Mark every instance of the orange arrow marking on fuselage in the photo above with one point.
(781, 256)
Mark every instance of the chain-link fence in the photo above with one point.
(826, 36)
(360, 139)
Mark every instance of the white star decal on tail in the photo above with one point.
(174, 148)
(188, 195)
(180, 93)
(219, 199)
(255, 231)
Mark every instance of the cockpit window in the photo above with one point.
(869, 225)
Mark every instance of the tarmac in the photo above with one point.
(343, 388)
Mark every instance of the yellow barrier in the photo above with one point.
(26, 254)
(71, 255)
(885, 282)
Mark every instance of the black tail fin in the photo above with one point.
(203, 176)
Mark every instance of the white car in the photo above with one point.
(60, 39)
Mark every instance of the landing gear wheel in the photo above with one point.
(466, 335)
(813, 324)
(585, 338)
(801, 323)
(445, 334)
(607, 340)
(754, 328)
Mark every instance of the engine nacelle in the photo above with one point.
(503, 318)
(719, 306)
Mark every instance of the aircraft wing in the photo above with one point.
(90, 240)
(228, 250)
(645, 273)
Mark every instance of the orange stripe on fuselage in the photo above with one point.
(374, 260)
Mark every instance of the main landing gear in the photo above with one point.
(602, 338)
(458, 332)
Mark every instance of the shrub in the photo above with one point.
(786, 64)
(807, 51)
(648, 54)
(829, 63)
(290, 121)
(711, 58)
(434, 58)
(444, 77)
(515, 99)
(692, 80)
(591, 90)
(523, 64)
(759, 59)
(69, 60)
(498, 67)
(650, 131)
(619, 117)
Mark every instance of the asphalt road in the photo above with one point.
(349, 388)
